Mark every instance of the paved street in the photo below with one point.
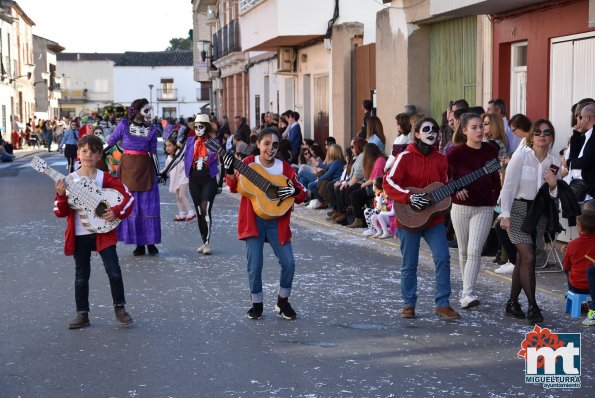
(191, 338)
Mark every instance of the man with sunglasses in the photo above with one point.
(418, 166)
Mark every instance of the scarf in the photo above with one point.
(200, 150)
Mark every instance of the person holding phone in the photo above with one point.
(526, 173)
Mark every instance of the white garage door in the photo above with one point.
(572, 78)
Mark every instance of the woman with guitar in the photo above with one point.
(418, 166)
(473, 207)
(526, 172)
(201, 168)
(266, 184)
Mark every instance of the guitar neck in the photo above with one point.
(457, 185)
(54, 175)
(255, 178)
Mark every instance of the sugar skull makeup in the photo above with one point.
(428, 133)
(146, 113)
(200, 129)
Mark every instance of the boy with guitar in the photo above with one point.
(265, 183)
(80, 242)
(418, 166)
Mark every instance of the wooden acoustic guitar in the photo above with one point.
(440, 197)
(259, 186)
(88, 199)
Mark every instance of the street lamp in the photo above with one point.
(151, 96)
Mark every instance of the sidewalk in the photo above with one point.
(550, 283)
(28, 152)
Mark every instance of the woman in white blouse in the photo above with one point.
(526, 173)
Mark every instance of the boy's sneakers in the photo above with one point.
(590, 319)
(505, 268)
(447, 313)
(81, 320)
(122, 316)
(255, 312)
(283, 308)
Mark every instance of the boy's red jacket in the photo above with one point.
(412, 169)
(247, 217)
(121, 211)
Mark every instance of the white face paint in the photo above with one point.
(146, 113)
(200, 129)
(428, 133)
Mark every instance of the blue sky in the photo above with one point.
(110, 25)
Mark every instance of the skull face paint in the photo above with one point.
(146, 113)
(200, 129)
(428, 133)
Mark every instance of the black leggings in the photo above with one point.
(203, 189)
(342, 197)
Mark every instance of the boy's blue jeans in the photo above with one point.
(85, 244)
(410, 242)
(268, 230)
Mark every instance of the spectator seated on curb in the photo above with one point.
(5, 156)
(329, 194)
(330, 171)
(372, 166)
(308, 159)
(353, 182)
(578, 259)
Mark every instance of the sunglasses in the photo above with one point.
(486, 123)
(545, 133)
(429, 129)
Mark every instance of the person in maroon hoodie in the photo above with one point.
(80, 242)
(255, 230)
(418, 166)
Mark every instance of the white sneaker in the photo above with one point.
(314, 203)
(468, 302)
(384, 236)
(505, 268)
(206, 249)
(368, 232)
(200, 249)
(377, 235)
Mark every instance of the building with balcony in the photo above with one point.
(18, 99)
(46, 80)
(218, 55)
(302, 57)
(165, 78)
(87, 82)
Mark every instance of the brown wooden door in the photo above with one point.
(321, 108)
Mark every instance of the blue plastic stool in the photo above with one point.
(574, 302)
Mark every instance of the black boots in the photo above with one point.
(513, 308)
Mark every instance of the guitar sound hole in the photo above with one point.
(271, 192)
(100, 209)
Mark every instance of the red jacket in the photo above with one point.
(413, 169)
(575, 261)
(247, 218)
(102, 241)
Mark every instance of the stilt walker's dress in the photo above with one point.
(137, 171)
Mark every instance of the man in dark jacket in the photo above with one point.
(585, 159)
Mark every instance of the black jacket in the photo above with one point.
(546, 205)
(586, 164)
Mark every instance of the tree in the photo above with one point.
(180, 44)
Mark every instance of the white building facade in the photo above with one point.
(87, 82)
(7, 57)
(164, 78)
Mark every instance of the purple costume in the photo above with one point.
(143, 226)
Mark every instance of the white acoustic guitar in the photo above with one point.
(88, 199)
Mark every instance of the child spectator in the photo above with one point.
(578, 259)
(379, 218)
(80, 242)
(178, 183)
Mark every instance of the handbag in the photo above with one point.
(579, 188)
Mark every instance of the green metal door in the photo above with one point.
(453, 47)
